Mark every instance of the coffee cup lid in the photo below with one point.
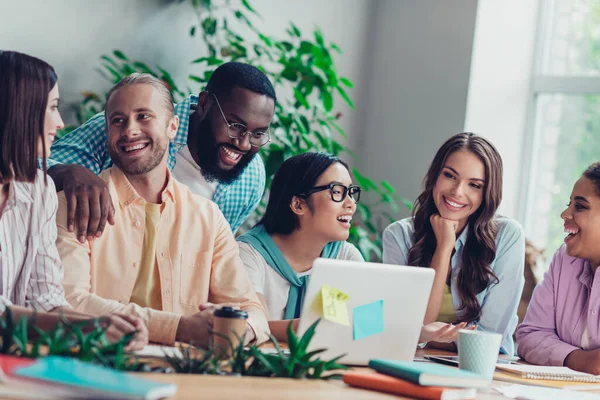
(230, 312)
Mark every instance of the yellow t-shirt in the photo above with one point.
(146, 292)
(447, 313)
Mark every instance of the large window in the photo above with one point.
(565, 112)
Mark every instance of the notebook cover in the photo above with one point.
(412, 371)
(548, 373)
(79, 374)
(507, 377)
(8, 364)
(388, 384)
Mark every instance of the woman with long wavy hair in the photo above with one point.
(478, 255)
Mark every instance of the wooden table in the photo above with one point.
(226, 387)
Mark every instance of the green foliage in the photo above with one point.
(83, 340)
(300, 64)
(86, 341)
(298, 364)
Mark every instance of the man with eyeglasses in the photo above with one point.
(213, 152)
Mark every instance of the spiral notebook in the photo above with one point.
(548, 373)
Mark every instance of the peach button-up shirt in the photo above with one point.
(197, 258)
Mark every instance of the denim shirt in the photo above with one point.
(499, 301)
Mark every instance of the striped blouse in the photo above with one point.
(30, 268)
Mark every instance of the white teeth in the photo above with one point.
(345, 218)
(453, 204)
(571, 231)
(136, 147)
(231, 154)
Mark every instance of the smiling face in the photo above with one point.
(582, 222)
(219, 156)
(324, 217)
(139, 128)
(459, 189)
(52, 122)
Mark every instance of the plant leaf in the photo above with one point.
(345, 96)
(347, 82)
(119, 54)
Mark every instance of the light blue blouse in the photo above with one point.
(499, 302)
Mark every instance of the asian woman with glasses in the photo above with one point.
(478, 255)
(309, 214)
(311, 204)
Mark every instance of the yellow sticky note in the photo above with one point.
(335, 305)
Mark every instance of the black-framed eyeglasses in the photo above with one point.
(237, 131)
(338, 191)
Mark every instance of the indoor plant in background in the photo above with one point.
(305, 76)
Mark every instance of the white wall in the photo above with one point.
(417, 75)
(499, 91)
(72, 35)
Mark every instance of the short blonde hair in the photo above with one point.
(144, 79)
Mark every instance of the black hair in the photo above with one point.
(297, 175)
(25, 83)
(593, 174)
(236, 74)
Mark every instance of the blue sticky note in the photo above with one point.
(367, 320)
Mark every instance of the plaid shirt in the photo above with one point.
(86, 146)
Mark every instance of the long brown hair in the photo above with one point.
(479, 252)
(25, 83)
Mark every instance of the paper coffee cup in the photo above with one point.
(228, 323)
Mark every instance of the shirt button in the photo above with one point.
(593, 312)
(134, 265)
(138, 223)
(162, 254)
(167, 292)
(127, 202)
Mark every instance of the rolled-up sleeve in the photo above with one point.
(537, 336)
(84, 146)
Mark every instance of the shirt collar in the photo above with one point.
(462, 239)
(128, 195)
(585, 276)
(183, 110)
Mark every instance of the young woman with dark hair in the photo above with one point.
(478, 255)
(309, 213)
(562, 324)
(30, 267)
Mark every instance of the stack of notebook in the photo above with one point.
(60, 377)
(418, 380)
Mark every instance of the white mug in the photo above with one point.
(478, 351)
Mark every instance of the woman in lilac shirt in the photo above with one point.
(562, 325)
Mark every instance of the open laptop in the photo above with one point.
(404, 291)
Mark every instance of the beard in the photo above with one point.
(143, 166)
(207, 151)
